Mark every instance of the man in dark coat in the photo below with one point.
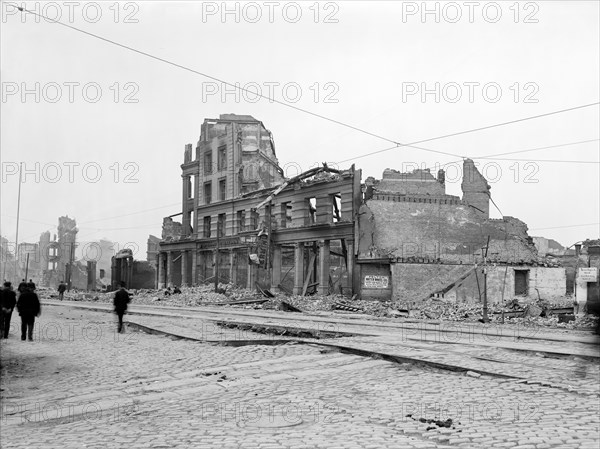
(22, 286)
(61, 290)
(29, 307)
(31, 285)
(122, 298)
(8, 300)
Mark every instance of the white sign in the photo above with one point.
(588, 274)
(373, 281)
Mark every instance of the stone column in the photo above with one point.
(129, 272)
(276, 270)
(323, 267)
(169, 270)
(161, 270)
(184, 269)
(234, 262)
(215, 271)
(350, 264)
(252, 276)
(298, 268)
(231, 265)
(194, 267)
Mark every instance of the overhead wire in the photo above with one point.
(338, 122)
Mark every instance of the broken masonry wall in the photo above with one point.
(435, 231)
(67, 238)
(171, 230)
(588, 293)
(152, 246)
(79, 276)
(476, 191)
(104, 262)
(418, 182)
(417, 281)
(143, 275)
(375, 281)
(550, 281)
(546, 246)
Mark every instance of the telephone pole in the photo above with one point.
(217, 258)
(485, 298)
(17, 232)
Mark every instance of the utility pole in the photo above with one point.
(217, 258)
(485, 298)
(17, 232)
(27, 267)
(268, 255)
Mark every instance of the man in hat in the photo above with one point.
(122, 298)
(61, 290)
(8, 300)
(29, 307)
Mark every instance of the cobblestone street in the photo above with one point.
(80, 384)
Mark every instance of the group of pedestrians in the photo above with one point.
(27, 303)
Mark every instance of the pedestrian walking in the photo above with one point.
(22, 286)
(29, 307)
(8, 300)
(31, 285)
(122, 298)
(61, 290)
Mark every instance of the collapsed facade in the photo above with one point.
(235, 229)
(399, 237)
(432, 243)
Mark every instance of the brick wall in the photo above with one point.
(448, 232)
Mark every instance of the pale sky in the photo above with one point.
(101, 129)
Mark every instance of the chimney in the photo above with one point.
(577, 249)
(441, 177)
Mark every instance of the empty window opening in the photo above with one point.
(208, 161)
(206, 227)
(221, 224)
(222, 158)
(336, 203)
(207, 192)
(521, 281)
(241, 220)
(222, 189)
(312, 210)
(188, 187)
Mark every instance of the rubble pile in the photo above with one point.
(517, 311)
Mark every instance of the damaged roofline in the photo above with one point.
(300, 177)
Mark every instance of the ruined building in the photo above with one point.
(400, 237)
(242, 222)
(134, 273)
(58, 255)
(428, 242)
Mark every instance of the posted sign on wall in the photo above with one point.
(373, 281)
(588, 274)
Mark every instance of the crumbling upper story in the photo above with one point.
(235, 196)
(409, 216)
(234, 155)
